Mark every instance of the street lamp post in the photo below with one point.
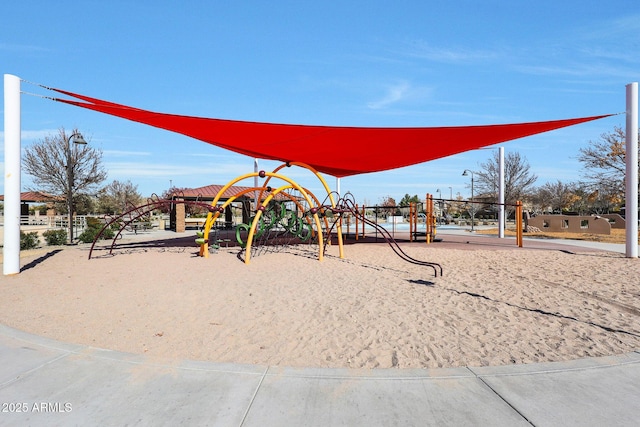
(450, 201)
(76, 138)
(473, 211)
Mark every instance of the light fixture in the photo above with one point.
(473, 211)
(77, 138)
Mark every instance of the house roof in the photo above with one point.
(37, 197)
(209, 192)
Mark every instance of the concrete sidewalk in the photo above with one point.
(45, 382)
(529, 242)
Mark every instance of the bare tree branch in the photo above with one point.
(518, 178)
(64, 169)
(46, 162)
(118, 197)
(604, 162)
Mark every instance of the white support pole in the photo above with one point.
(11, 250)
(338, 186)
(501, 192)
(631, 179)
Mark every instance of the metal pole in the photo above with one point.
(411, 221)
(69, 188)
(631, 189)
(11, 249)
(428, 216)
(501, 192)
(357, 223)
(473, 208)
(450, 202)
(439, 204)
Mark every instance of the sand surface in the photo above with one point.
(368, 310)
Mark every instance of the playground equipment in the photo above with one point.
(128, 219)
(415, 217)
(347, 205)
(301, 218)
(431, 220)
(291, 213)
(288, 214)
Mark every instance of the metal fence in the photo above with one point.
(42, 222)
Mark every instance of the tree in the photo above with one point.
(518, 179)
(387, 201)
(389, 205)
(84, 204)
(555, 197)
(456, 207)
(178, 192)
(600, 202)
(118, 197)
(406, 200)
(604, 162)
(65, 169)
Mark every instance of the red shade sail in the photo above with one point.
(335, 150)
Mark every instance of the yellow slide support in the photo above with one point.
(212, 216)
(326, 188)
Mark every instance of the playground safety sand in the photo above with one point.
(369, 310)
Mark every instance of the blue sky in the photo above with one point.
(355, 63)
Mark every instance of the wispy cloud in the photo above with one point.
(551, 174)
(447, 54)
(399, 92)
(577, 69)
(14, 47)
(604, 53)
(394, 94)
(124, 153)
(616, 29)
(605, 50)
(142, 169)
(29, 136)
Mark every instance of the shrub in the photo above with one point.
(88, 235)
(55, 237)
(108, 234)
(93, 222)
(94, 225)
(29, 240)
